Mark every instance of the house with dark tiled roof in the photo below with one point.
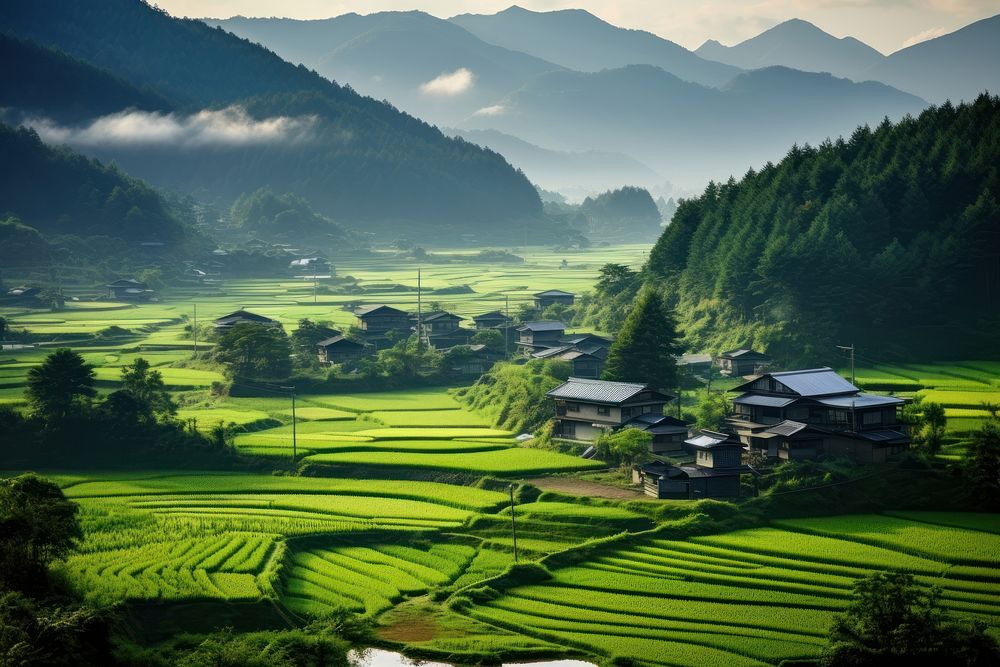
(815, 412)
(339, 349)
(536, 336)
(714, 473)
(126, 289)
(440, 330)
(586, 408)
(742, 361)
(553, 296)
(241, 316)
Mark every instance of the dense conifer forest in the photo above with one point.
(889, 239)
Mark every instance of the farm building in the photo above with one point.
(535, 336)
(585, 353)
(697, 364)
(126, 289)
(586, 408)
(553, 296)
(669, 433)
(815, 412)
(472, 360)
(378, 320)
(491, 320)
(22, 295)
(241, 316)
(440, 330)
(338, 349)
(310, 265)
(743, 361)
(715, 472)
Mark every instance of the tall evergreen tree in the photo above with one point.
(57, 386)
(645, 347)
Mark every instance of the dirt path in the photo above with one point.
(582, 487)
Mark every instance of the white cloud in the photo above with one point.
(229, 126)
(449, 84)
(494, 110)
(925, 35)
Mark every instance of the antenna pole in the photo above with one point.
(513, 525)
(420, 333)
(850, 348)
(195, 330)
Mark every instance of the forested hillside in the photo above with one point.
(629, 209)
(63, 88)
(889, 239)
(63, 194)
(355, 153)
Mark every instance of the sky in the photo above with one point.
(887, 25)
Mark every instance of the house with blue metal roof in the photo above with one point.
(815, 412)
(586, 408)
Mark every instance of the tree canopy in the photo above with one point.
(888, 238)
(56, 387)
(255, 352)
(645, 347)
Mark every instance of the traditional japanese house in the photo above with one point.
(338, 350)
(715, 472)
(743, 361)
(440, 330)
(127, 289)
(490, 320)
(242, 316)
(377, 321)
(815, 412)
(669, 433)
(535, 336)
(585, 408)
(553, 296)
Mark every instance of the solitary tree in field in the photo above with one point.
(254, 351)
(645, 347)
(37, 525)
(146, 386)
(891, 621)
(56, 388)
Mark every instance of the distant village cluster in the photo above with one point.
(779, 416)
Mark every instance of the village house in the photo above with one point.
(669, 433)
(553, 296)
(491, 320)
(473, 360)
(536, 336)
(585, 353)
(815, 412)
(715, 472)
(126, 289)
(310, 265)
(743, 361)
(22, 296)
(241, 316)
(440, 330)
(695, 364)
(586, 408)
(338, 350)
(376, 321)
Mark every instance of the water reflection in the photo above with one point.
(376, 657)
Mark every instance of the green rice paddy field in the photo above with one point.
(416, 511)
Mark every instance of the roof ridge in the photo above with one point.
(818, 369)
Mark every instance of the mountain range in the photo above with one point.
(568, 83)
(223, 116)
(957, 66)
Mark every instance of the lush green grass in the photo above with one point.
(430, 418)
(209, 417)
(504, 462)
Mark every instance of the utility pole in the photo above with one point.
(513, 525)
(195, 330)
(506, 326)
(294, 427)
(850, 348)
(420, 334)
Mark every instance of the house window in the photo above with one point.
(603, 410)
(572, 407)
(797, 414)
(569, 429)
(838, 416)
(871, 417)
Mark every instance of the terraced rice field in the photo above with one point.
(750, 597)
(961, 387)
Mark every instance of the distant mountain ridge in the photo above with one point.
(687, 132)
(396, 55)
(800, 45)
(576, 39)
(956, 66)
(358, 149)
